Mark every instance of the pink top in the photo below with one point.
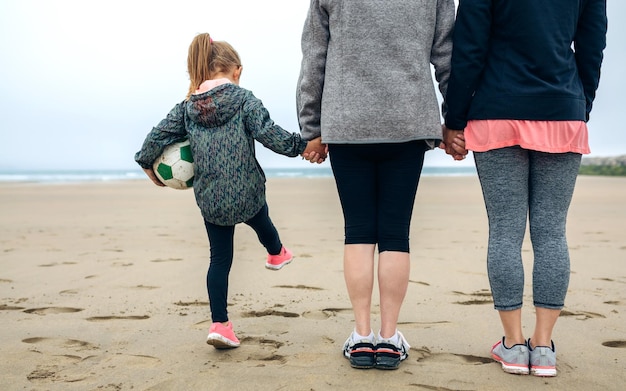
(210, 84)
(544, 136)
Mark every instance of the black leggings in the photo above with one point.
(377, 185)
(221, 241)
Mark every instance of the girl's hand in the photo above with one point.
(150, 173)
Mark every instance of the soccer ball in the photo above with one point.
(175, 166)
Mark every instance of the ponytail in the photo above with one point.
(206, 58)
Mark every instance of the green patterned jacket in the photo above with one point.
(222, 124)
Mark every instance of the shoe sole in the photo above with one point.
(362, 363)
(543, 371)
(220, 342)
(515, 369)
(277, 267)
(387, 363)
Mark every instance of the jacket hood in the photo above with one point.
(217, 106)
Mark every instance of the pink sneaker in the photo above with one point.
(275, 262)
(222, 337)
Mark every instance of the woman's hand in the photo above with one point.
(453, 143)
(315, 151)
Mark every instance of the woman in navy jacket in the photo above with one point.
(523, 79)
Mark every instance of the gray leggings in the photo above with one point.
(518, 184)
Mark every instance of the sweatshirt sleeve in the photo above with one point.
(589, 44)
(470, 47)
(315, 37)
(263, 129)
(170, 130)
(441, 51)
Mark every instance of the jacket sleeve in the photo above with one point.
(315, 37)
(441, 51)
(470, 46)
(589, 44)
(263, 129)
(168, 131)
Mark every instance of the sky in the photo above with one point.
(83, 82)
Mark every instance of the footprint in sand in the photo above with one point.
(52, 310)
(106, 318)
(265, 353)
(5, 307)
(147, 287)
(55, 264)
(263, 341)
(615, 344)
(419, 282)
(54, 369)
(480, 297)
(122, 264)
(74, 344)
(50, 372)
(194, 303)
(258, 314)
(303, 287)
(607, 279)
(205, 324)
(431, 387)
(167, 260)
(581, 315)
(73, 369)
(326, 313)
(424, 354)
(425, 324)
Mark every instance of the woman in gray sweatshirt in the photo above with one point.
(366, 88)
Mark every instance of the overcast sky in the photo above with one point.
(82, 82)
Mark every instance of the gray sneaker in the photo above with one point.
(514, 359)
(543, 360)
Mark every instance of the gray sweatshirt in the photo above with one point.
(366, 70)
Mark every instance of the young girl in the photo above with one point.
(221, 121)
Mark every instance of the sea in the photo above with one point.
(86, 176)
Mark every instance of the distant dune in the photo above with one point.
(605, 161)
(611, 165)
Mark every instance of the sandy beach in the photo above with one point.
(102, 287)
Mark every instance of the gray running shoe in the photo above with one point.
(542, 360)
(360, 353)
(514, 359)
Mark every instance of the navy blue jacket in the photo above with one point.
(525, 60)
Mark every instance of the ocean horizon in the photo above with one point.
(114, 175)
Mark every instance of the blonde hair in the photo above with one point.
(206, 58)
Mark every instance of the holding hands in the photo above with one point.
(315, 151)
(453, 143)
